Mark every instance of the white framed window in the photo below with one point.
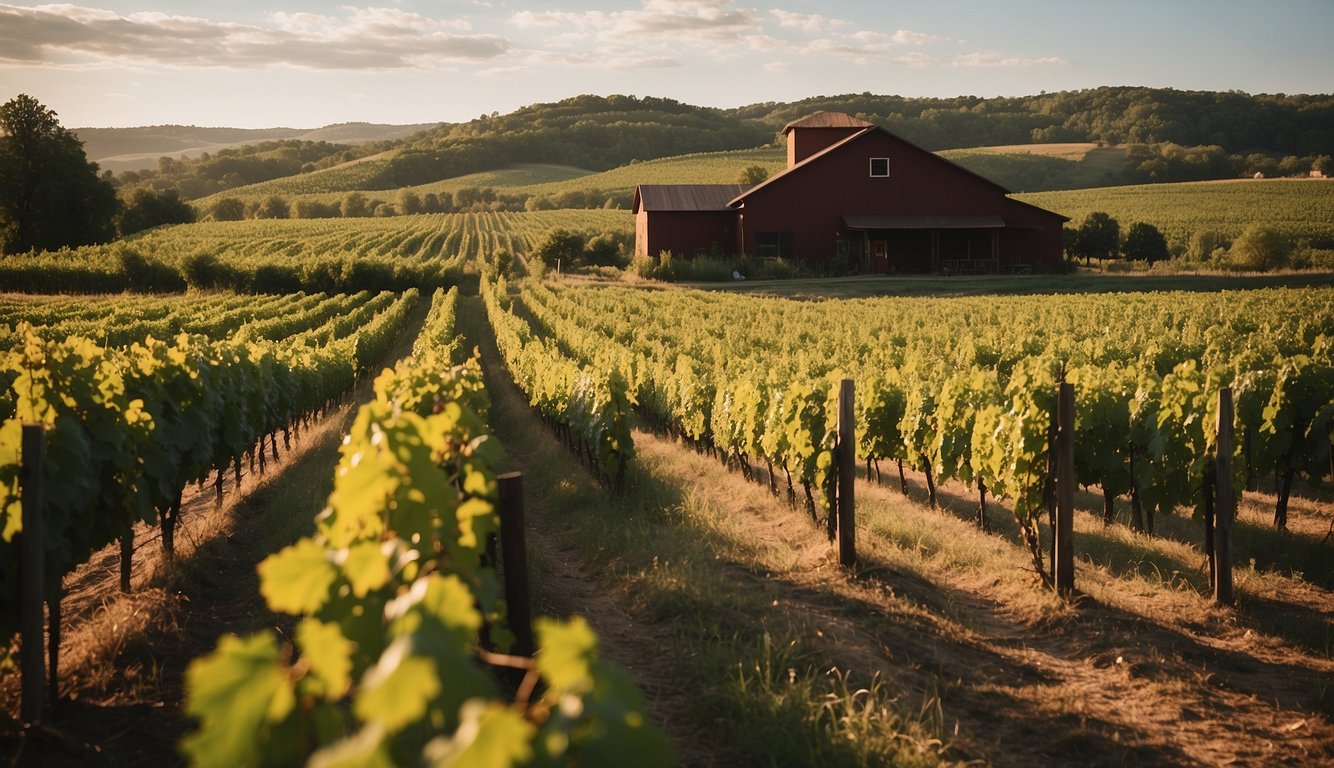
(879, 167)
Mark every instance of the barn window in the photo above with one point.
(879, 167)
(773, 245)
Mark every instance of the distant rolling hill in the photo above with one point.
(128, 149)
(1020, 168)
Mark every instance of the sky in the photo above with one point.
(302, 64)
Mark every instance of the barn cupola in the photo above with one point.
(811, 134)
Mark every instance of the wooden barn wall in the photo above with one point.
(811, 201)
(685, 232)
(804, 142)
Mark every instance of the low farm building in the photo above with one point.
(855, 192)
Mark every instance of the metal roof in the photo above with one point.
(687, 197)
(924, 221)
(827, 120)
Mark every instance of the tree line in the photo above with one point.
(1259, 248)
(1279, 124)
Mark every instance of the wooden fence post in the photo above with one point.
(514, 558)
(847, 475)
(1225, 502)
(1063, 555)
(32, 618)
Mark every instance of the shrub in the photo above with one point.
(1204, 244)
(1259, 248)
(204, 271)
(145, 274)
(276, 278)
(560, 246)
(1145, 243)
(227, 209)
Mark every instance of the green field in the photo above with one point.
(1299, 208)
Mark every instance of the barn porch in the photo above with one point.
(919, 243)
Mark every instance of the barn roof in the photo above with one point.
(827, 120)
(836, 146)
(686, 197)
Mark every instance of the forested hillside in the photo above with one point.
(1162, 135)
(1235, 121)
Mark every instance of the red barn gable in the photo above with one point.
(856, 192)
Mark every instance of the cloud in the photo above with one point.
(358, 38)
(900, 37)
(690, 22)
(810, 22)
(914, 59)
(992, 60)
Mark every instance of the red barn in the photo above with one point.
(856, 192)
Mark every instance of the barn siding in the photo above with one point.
(811, 201)
(685, 232)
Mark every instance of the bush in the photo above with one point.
(227, 209)
(204, 271)
(560, 246)
(1145, 243)
(1205, 244)
(706, 268)
(1259, 248)
(145, 274)
(147, 209)
(276, 278)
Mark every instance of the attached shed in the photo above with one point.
(856, 192)
(686, 218)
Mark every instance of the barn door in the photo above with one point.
(879, 257)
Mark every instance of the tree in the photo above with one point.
(752, 175)
(410, 202)
(274, 207)
(355, 204)
(147, 209)
(50, 195)
(227, 209)
(1099, 235)
(1074, 248)
(1145, 243)
(560, 245)
(1259, 248)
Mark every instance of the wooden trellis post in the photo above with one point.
(1063, 554)
(1225, 503)
(847, 475)
(514, 559)
(32, 617)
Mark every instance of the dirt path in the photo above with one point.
(563, 585)
(123, 656)
(1094, 683)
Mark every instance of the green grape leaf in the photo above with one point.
(398, 689)
(566, 655)
(328, 653)
(366, 567)
(490, 735)
(296, 580)
(239, 693)
(365, 749)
